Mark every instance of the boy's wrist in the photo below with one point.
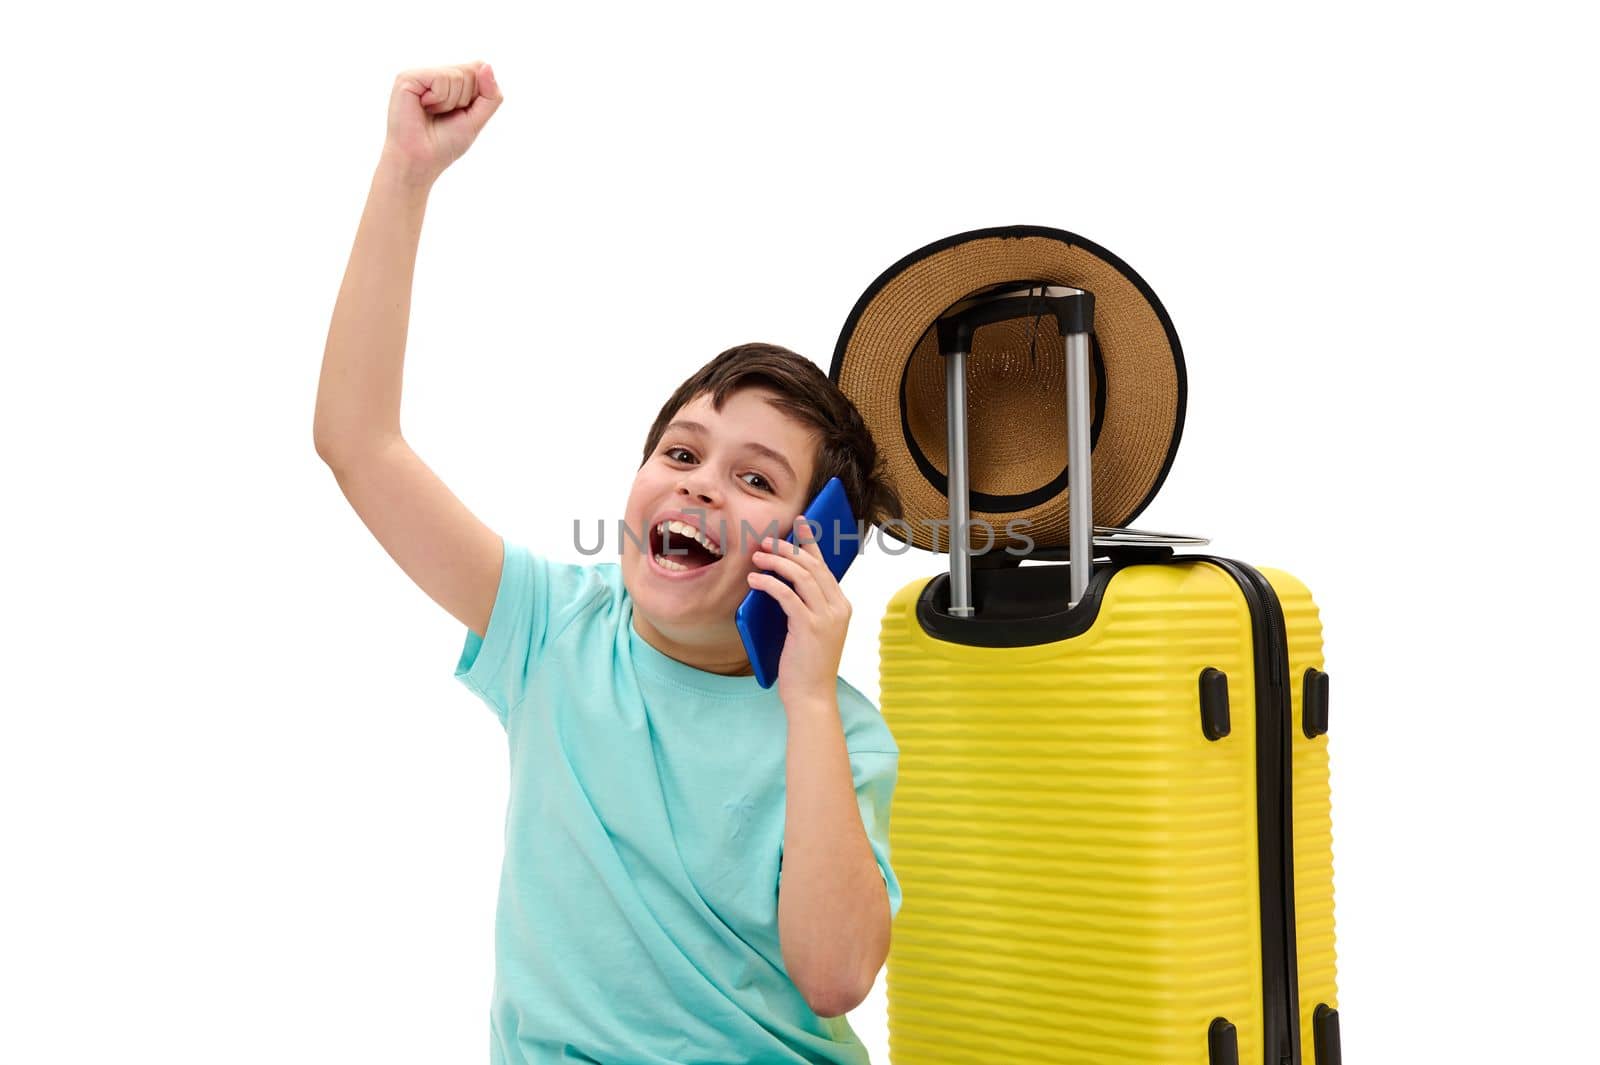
(400, 175)
(810, 704)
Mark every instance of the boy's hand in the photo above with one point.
(818, 612)
(435, 113)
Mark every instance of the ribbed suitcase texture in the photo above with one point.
(1313, 821)
(1079, 861)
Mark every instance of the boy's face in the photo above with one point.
(718, 480)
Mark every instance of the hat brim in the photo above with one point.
(887, 362)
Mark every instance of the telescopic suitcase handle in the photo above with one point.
(1073, 309)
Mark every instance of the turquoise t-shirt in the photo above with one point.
(638, 915)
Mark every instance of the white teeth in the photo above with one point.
(685, 529)
(667, 563)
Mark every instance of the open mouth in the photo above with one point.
(675, 546)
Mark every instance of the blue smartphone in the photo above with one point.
(762, 623)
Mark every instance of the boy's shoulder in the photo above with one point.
(577, 579)
(864, 726)
(855, 696)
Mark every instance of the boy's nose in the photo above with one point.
(694, 486)
(700, 497)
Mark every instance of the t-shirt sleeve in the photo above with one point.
(875, 773)
(535, 598)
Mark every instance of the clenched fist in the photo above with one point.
(435, 113)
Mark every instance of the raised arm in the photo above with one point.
(434, 115)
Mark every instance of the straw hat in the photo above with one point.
(887, 361)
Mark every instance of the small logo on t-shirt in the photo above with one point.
(739, 811)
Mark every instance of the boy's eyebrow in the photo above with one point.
(760, 449)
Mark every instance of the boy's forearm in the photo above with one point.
(358, 394)
(833, 907)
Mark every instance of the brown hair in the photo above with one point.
(845, 449)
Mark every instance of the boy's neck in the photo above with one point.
(719, 658)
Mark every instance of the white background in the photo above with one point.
(249, 815)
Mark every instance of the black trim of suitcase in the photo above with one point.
(1012, 594)
(1274, 810)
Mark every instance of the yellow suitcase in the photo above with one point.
(1111, 825)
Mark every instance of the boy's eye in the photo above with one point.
(674, 452)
